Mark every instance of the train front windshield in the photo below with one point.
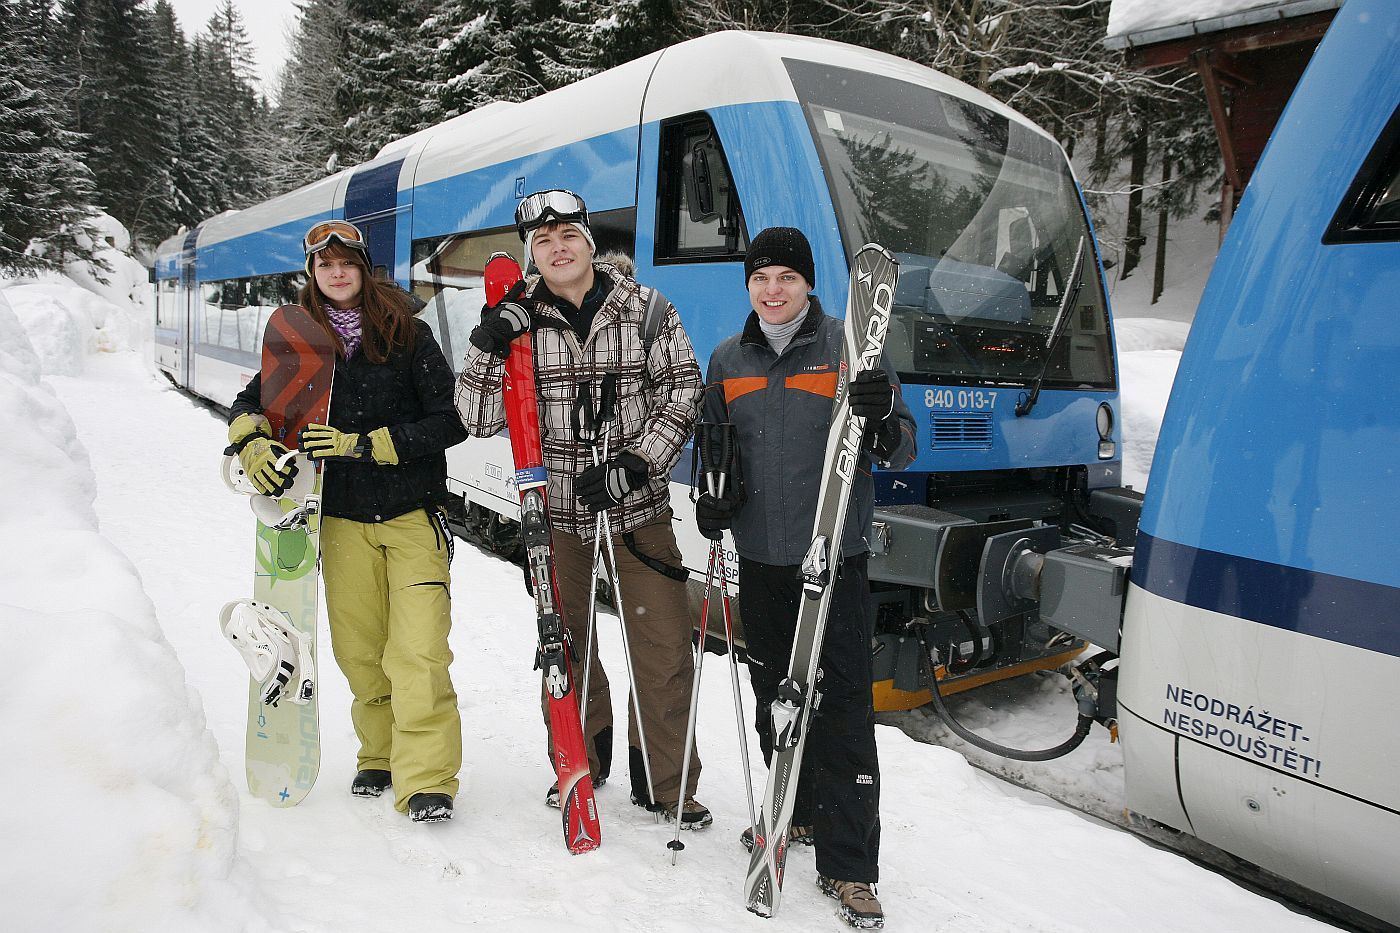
(984, 217)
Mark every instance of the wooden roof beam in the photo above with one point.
(1178, 52)
(1220, 115)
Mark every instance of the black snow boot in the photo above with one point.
(429, 808)
(370, 782)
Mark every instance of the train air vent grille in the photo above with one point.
(961, 432)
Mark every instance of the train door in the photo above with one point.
(187, 299)
(691, 238)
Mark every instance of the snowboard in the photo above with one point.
(874, 273)
(582, 830)
(283, 743)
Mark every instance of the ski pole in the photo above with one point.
(675, 845)
(715, 445)
(607, 404)
(734, 683)
(586, 430)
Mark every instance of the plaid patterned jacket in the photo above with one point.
(657, 398)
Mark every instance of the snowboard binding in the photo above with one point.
(268, 509)
(277, 655)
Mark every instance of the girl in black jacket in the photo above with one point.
(385, 544)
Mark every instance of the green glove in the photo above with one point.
(382, 447)
(250, 438)
(245, 425)
(259, 459)
(323, 442)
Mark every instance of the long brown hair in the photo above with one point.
(386, 315)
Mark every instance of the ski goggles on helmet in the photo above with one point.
(556, 205)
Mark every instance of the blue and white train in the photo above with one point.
(682, 155)
(1259, 693)
(1259, 680)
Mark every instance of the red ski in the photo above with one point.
(582, 832)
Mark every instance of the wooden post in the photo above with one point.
(1159, 267)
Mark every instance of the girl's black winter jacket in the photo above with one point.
(411, 394)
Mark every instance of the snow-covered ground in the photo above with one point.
(125, 712)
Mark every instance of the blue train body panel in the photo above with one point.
(1281, 441)
(603, 167)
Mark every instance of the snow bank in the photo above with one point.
(127, 820)
(68, 317)
(1149, 350)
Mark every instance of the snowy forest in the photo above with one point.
(108, 104)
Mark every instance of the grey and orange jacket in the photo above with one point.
(658, 394)
(780, 406)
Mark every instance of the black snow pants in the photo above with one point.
(838, 792)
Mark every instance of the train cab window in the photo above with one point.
(985, 218)
(698, 214)
(1370, 211)
(447, 272)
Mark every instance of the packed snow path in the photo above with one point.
(961, 852)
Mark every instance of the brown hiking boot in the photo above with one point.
(797, 836)
(694, 814)
(859, 906)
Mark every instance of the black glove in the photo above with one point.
(605, 485)
(872, 396)
(713, 515)
(499, 326)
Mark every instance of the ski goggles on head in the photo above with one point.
(327, 232)
(556, 205)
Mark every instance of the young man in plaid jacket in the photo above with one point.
(588, 320)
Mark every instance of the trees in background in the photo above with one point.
(105, 105)
(46, 188)
(171, 130)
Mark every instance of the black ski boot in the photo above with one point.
(429, 808)
(370, 782)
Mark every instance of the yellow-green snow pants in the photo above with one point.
(390, 611)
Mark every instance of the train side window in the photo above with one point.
(447, 272)
(1370, 211)
(698, 214)
(167, 313)
(233, 313)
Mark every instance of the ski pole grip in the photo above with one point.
(585, 428)
(716, 442)
(607, 398)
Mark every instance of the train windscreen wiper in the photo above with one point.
(1076, 279)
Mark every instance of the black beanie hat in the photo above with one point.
(781, 246)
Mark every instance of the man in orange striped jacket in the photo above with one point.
(775, 382)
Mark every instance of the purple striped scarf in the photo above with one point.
(347, 325)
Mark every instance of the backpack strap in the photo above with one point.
(652, 319)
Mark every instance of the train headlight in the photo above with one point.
(1103, 420)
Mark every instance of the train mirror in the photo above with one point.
(699, 189)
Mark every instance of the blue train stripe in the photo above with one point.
(370, 200)
(1338, 609)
